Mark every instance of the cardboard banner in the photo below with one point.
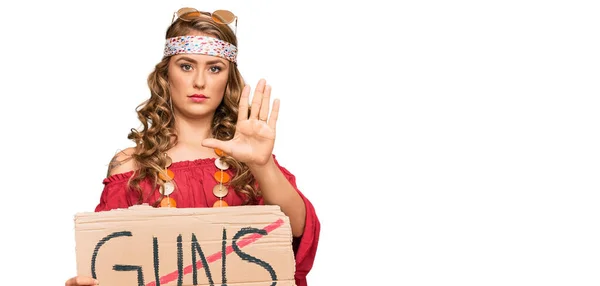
(146, 246)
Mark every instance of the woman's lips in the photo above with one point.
(198, 97)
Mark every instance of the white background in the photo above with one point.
(441, 142)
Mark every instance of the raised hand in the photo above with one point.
(254, 137)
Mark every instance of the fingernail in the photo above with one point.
(97, 282)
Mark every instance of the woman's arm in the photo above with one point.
(277, 190)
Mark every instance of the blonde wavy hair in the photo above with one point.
(157, 133)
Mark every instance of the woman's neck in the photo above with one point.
(190, 134)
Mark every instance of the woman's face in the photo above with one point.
(197, 84)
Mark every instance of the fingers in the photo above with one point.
(225, 146)
(243, 106)
(213, 143)
(274, 114)
(259, 109)
(264, 105)
(257, 99)
(81, 281)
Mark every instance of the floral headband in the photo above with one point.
(200, 45)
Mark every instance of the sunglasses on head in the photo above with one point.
(220, 16)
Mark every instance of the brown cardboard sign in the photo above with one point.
(146, 246)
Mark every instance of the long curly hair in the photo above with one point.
(157, 133)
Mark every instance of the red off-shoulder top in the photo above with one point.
(195, 185)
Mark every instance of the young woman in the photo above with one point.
(202, 143)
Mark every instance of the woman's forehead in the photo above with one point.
(199, 58)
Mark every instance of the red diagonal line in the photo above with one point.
(216, 256)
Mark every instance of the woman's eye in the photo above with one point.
(215, 69)
(186, 67)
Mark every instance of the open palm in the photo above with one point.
(254, 137)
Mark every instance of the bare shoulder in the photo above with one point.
(122, 162)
